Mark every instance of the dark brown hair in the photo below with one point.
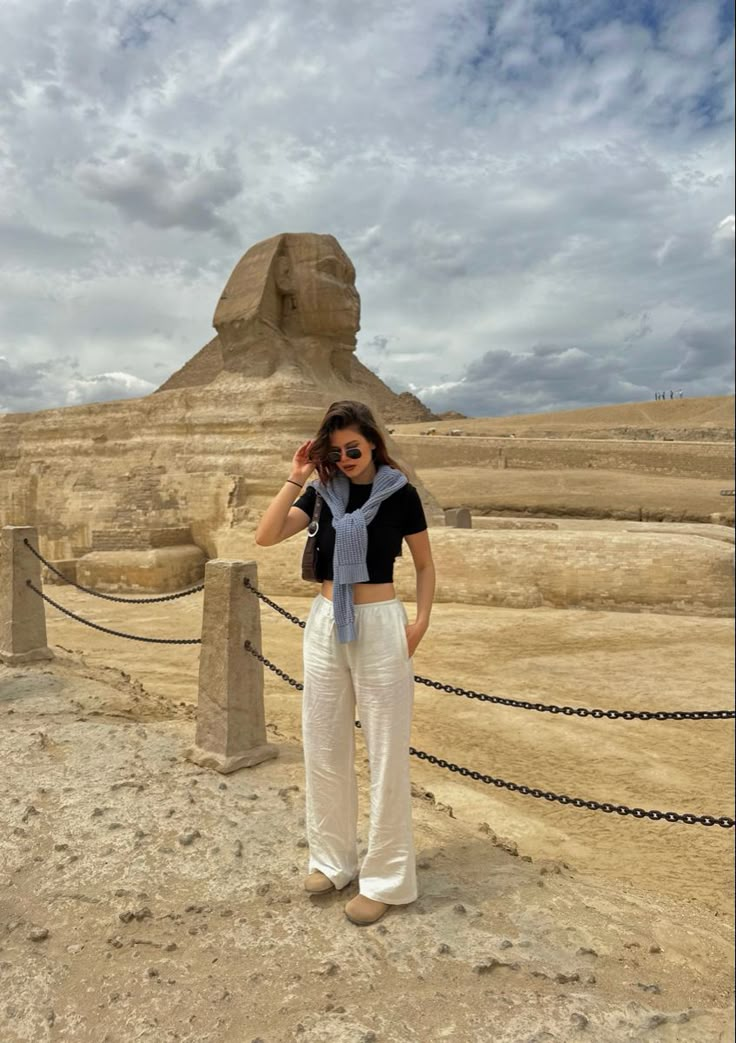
(339, 416)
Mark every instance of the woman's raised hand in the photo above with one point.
(301, 465)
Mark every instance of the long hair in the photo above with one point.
(339, 416)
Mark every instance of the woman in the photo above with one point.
(358, 646)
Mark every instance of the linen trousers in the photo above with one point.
(374, 676)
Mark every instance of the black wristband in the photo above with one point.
(295, 483)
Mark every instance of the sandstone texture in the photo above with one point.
(573, 493)
(620, 570)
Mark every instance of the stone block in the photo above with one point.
(67, 567)
(158, 570)
(231, 727)
(459, 518)
(22, 611)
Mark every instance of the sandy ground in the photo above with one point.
(144, 898)
(581, 658)
(698, 415)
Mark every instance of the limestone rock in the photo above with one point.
(620, 571)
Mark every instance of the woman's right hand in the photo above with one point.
(301, 465)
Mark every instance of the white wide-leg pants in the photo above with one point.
(375, 676)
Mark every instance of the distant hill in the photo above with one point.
(689, 419)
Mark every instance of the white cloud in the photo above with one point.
(504, 176)
(105, 386)
(726, 228)
(25, 388)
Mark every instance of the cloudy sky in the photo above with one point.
(538, 195)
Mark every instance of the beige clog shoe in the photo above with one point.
(363, 911)
(317, 883)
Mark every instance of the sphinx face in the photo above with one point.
(317, 280)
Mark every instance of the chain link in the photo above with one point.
(267, 662)
(524, 704)
(115, 633)
(111, 597)
(272, 604)
(529, 791)
(582, 711)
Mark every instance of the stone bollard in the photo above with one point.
(459, 518)
(231, 722)
(22, 611)
(463, 518)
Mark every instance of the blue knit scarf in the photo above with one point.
(351, 539)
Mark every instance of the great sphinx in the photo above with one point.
(290, 304)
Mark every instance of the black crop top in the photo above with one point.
(401, 514)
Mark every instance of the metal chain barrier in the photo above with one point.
(529, 791)
(115, 633)
(111, 597)
(524, 704)
(267, 662)
(584, 711)
(272, 604)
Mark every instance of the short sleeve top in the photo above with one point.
(400, 514)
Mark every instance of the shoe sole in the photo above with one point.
(364, 923)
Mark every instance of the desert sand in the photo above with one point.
(696, 419)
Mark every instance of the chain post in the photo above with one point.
(231, 721)
(22, 614)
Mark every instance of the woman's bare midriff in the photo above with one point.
(363, 593)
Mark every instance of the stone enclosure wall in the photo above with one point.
(622, 571)
(658, 458)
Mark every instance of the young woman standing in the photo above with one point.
(358, 648)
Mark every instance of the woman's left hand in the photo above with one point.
(414, 634)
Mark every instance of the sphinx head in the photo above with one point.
(302, 285)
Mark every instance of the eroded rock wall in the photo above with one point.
(513, 569)
(680, 460)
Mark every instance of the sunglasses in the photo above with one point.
(335, 455)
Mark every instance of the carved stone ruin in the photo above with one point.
(290, 301)
(140, 559)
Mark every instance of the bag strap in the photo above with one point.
(317, 506)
